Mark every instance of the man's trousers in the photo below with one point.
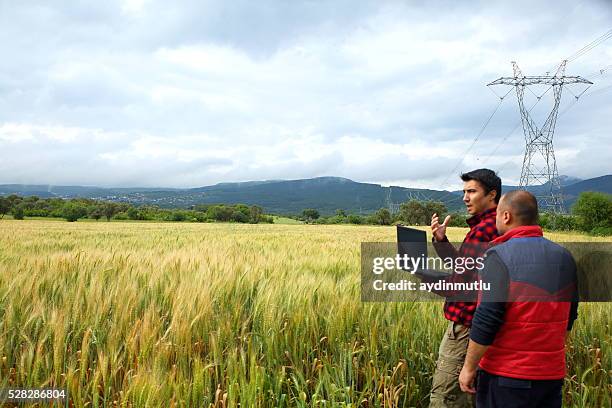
(445, 390)
(494, 391)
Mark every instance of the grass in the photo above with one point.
(168, 314)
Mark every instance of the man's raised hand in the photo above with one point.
(439, 230)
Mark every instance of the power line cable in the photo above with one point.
(513, 129)
(593, 92)
(587, 48)
(584, 50)
(600, 71)
(482, 129)
(570, 106)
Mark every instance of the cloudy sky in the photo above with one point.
(192, 93)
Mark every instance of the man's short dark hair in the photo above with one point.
(523, 205)
(487, 178)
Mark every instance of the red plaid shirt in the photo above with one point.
(482, 230)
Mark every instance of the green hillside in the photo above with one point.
(326, 194)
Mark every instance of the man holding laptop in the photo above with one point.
(481, 193)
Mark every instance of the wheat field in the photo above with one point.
(224, 315)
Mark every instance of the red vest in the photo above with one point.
(530, 344)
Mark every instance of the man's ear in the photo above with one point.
(492, 195)
(507, 217)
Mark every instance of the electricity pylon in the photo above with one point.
(539, 164)
(393, 207)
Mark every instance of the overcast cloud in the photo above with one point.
(192, 93)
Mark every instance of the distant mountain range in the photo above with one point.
(326, 194)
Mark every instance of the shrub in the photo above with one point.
(457, 220)
(239, 216)
(134, 214)
(219, 213)
(268, 219)
(5, 206)
(602, 231)
(594, 210)
(18, 212)
(200, 216)
(72, 212)
(559, 222)
(310, 214)
(121, 216)
(96, 212)
(383, 217)
(255, 214)
(336, 219)
(178, 216)
(416, 212)
(355, 219)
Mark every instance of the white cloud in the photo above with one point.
(155, 93)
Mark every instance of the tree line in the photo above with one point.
(592, 213)
(411, 212)
(74, 209)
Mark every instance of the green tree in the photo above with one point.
(134, 214)
(220, 213)
(412, 212)
(5, 207)
(415, 212)
(594, 210)
(31, 199)
(239, 216)
(96, 212)
(457, 220)
(243, 208)
(383, 217)
(178, 216)
(355, 219)
(310, 214)
(14, 199)
(255, 214)
(109, 210)
(72, 211)
(18, 211)
(431, 208)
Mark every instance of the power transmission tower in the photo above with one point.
(393, 207)
(539, 164)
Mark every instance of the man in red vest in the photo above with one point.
(518, 333)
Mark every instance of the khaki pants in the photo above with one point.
(445, 390)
